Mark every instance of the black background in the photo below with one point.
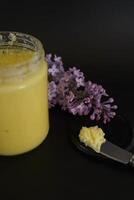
(97, 37)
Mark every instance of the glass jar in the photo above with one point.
(24, 120)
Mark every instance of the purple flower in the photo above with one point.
(78, 76)
(70, 90)
(81, 109)
(52, 94)
(55, 68)
(55, 64)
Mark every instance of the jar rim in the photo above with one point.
(12, 39)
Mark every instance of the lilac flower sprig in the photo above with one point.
(70, 90)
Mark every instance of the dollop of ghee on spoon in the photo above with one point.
(93, 137)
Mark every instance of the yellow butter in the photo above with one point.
(23, 103)
(10, 57)
(92, 137)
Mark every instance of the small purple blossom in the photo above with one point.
(70, 90)
(78, 76)
(52, 94)
(55, 68)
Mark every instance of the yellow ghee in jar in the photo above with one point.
(23, 102)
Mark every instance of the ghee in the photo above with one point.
(92, 137)
(24, 120)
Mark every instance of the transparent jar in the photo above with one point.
(24, 120)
